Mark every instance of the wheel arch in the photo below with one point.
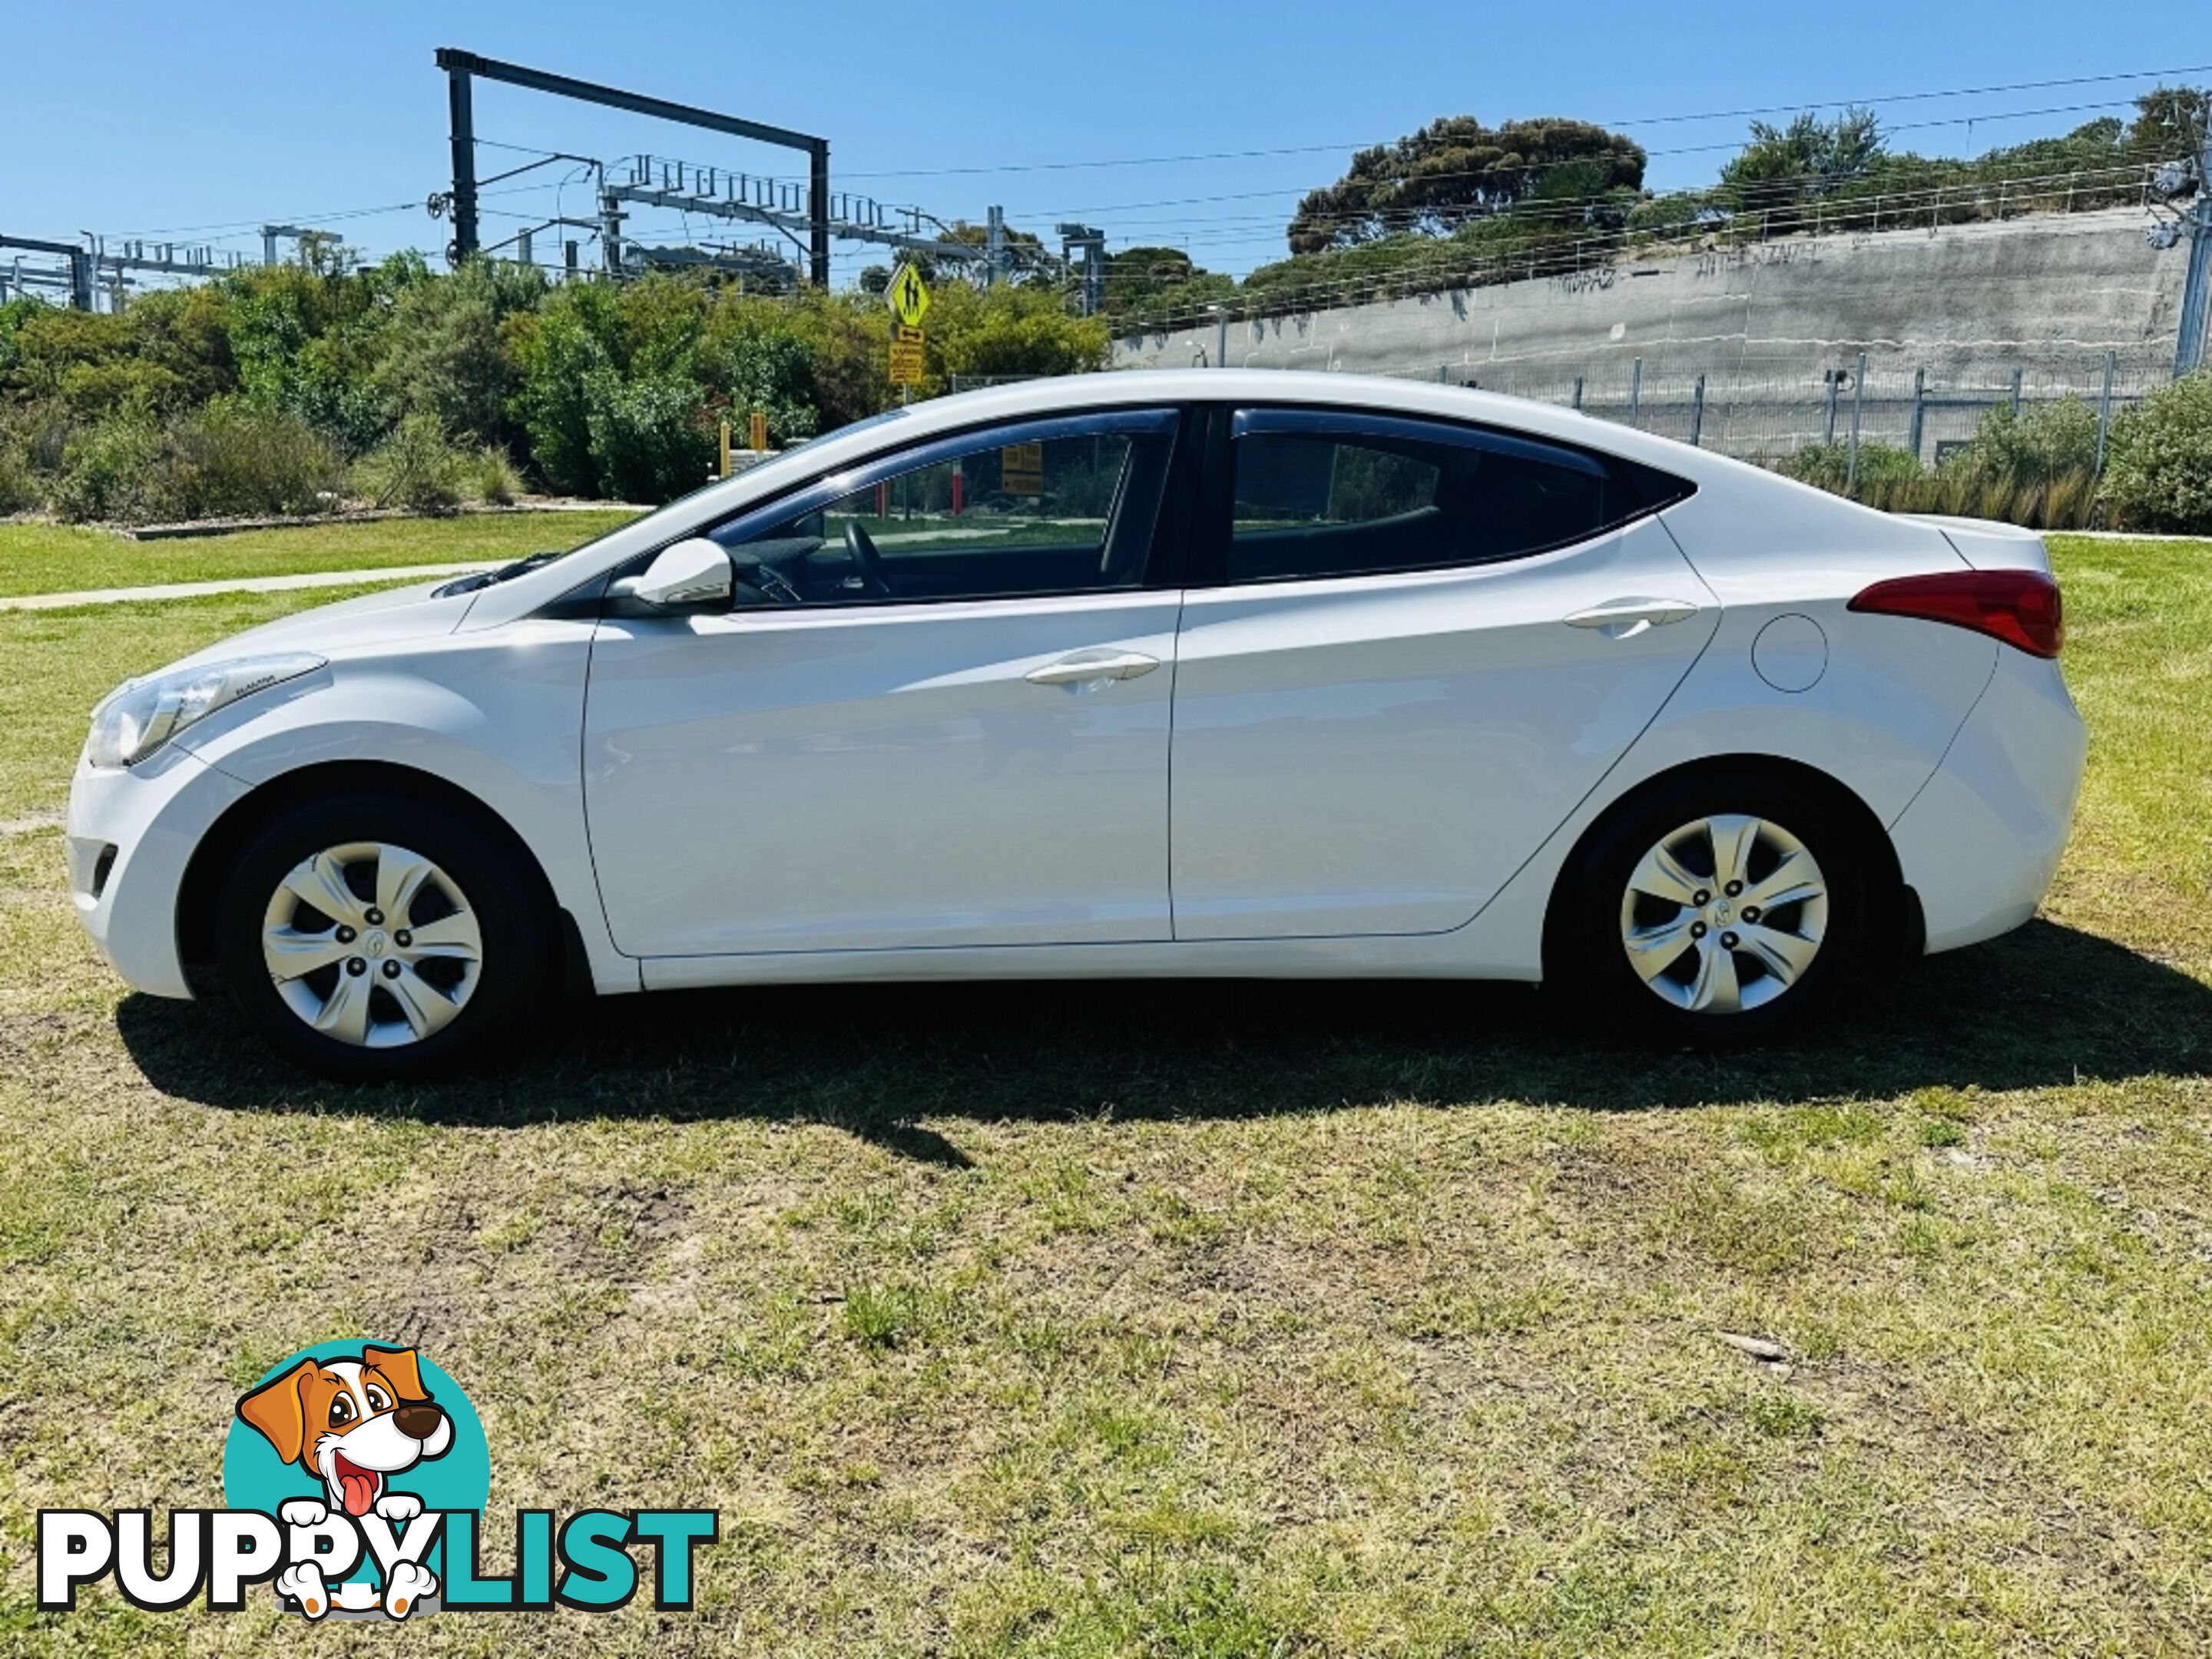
(1901, 903)
(226, 838)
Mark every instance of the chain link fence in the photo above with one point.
(1767, 413)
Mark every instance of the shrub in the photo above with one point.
(649, 442)
(110, 471)
(19, 491)
(1827, 466)
(2158, 470)
(2048, 439)
(234, 459)
(417, 467)
(492, 477)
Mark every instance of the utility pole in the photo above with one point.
(79, 265)
(461, 67)
(1091, 244)
(2197, 289)
(460, 107)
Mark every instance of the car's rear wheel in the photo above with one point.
(367, 937)
(1719, 908)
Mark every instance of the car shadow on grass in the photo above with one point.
(2046, 1005)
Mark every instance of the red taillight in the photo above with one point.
(2020, 607)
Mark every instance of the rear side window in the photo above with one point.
(1320, 494)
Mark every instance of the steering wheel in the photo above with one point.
(868, 563)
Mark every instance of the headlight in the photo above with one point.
(139, 716)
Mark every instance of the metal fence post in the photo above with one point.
(2018, 374)
(1919, 409)
(1828, 426)
(1634, 389)
(1577, 403)
(2105, 409)
(1858, 409)
(1444, 373)
(1698, 412)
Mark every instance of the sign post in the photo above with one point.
(908, 297)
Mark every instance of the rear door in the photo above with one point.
(938, 715)
(1422, 644)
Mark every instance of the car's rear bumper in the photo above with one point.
(131, 835)
(1981, 840)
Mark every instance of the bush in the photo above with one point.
(235, 459)
(492, 477)
(229, 459)
(417, 467)
(2048, 441)
(2158, 469)
(1827, 467)
(110, 471)
(649, 440)
(19, 491)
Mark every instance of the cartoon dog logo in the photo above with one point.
(353, 1424)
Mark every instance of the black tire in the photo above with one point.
(516, 971)
(1587, 965)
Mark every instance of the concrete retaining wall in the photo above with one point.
(1968, 303)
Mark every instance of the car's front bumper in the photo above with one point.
(131, 835)
(1981, 840)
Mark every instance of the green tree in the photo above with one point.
(1456, 167)
(1808, 157)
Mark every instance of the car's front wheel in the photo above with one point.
(367, 937)
(1719, 908)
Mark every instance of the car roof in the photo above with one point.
(1379, 393)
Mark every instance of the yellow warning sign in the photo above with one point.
(908, 297)
(906, 356)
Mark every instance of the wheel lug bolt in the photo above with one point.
(1731, 889)
(374, 918)
(403, 938)
(355, 966)
(1728, 941)
(391, 971)
(1701, 897)
(345, 935)
(1751, 912)
(1697, 930)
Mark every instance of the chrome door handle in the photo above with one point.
(1100, 663)
(1623, 619)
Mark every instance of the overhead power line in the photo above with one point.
(1636, 121)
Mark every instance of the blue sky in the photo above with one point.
(128, 118)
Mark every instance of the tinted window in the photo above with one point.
(1057, 507)
(1322, 495)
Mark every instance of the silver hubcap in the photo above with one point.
(371, 945)
(1725, 914)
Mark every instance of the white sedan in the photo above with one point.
(1206, 672)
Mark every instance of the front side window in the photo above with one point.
(1065, 506)
(1322, 495)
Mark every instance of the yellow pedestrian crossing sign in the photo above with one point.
(908, 296)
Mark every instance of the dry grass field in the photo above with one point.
(1199, 1320)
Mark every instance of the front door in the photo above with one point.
(937, 715)
(1424, 646)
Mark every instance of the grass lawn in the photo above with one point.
(42, 558)
(1197, 1320)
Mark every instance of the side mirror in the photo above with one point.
(691, 573)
